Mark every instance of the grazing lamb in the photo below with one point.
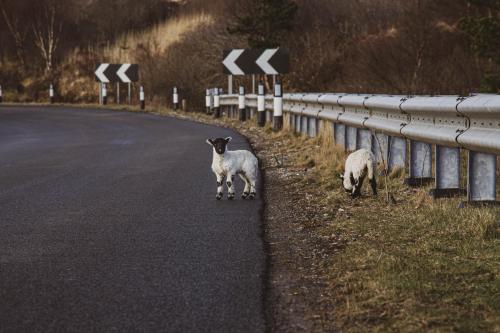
(357, 166)
(227, 164)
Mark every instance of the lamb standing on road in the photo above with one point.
(358, 165)
(227, 164)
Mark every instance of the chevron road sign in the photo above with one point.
(119, 73)
(256, 61)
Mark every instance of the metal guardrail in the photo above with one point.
(388, 125)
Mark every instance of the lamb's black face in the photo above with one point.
(219, 144)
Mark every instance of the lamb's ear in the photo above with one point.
(210, 142)
(228, 139)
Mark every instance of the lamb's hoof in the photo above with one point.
(219, 196)
(230, 196)
(245, 195)
(252, 195)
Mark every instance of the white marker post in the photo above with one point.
(51, 94)
(1, 94)
(278, 108)
(142, 99)
(175, 99)
(216, 103)
(104, 94)
(241, 104)
(208, 101)
(261, 106)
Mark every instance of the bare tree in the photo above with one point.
(18, 32)
(47, 28)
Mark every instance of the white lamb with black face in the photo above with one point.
(228, 164)
(358, 165)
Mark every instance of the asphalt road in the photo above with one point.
(108, 222)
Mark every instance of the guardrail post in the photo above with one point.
(248, 113)
(269, 116)
(298, 123)
(278, 107)
(481, 180)
(312, 127)
(51, 94)
(304, 123)
(291, 121)
(397, 153)
(420, 164)
(208, 101)
(175, 99)
(142, 98)
(351, 138)
(241, 104)
(261, 105)
(364, 139)
(380, 148)
(1, 94)
(447, 173)
(216, 103)
(339, 135)
(104, 94)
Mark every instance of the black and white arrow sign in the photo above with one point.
(122, 73)
(256, 61)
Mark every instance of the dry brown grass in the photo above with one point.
(157, 39)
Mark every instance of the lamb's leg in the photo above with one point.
(252, 189)
(373, 183)
(220, 188)
(230, 186)
(356, 190)
(246, 191)
(252, 178)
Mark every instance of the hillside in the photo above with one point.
(403, 47)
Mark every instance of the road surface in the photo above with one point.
(108, 222)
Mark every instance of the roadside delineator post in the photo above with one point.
(241, 104)
(175, 99)
(51, 94)
(278, 107)
(142, 99)
(208, 101)
(104, 94)
(261, 106)
(481, 179)
(420, 164)
(1, 94)
(216, 103)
